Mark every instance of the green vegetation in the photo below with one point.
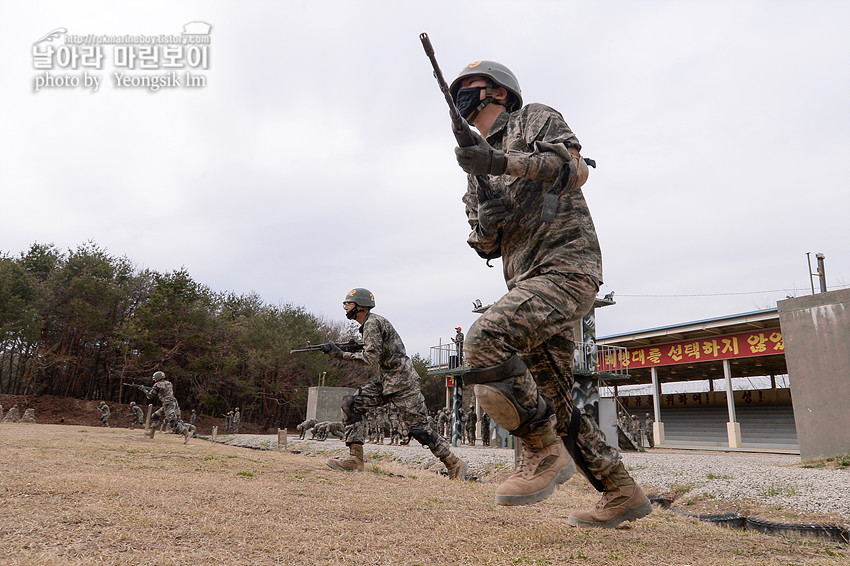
(78, 323)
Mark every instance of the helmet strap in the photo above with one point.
(484, 103)
(352, 314)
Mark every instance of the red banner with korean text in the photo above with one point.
(743, 345)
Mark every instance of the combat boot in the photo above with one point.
(456, 467)
(543, 466)
(622, 500)
(354, 462)
(150, 432)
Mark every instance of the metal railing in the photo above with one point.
(444, 356)
(589, 358)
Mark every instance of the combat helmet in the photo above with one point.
(158, 375)
(360, 297)
(497, 73)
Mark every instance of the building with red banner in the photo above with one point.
(713, 351)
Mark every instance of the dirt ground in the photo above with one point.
(58, 410)
(81, 495)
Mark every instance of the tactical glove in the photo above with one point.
(492, 215)
(332, 350)
(481, 158)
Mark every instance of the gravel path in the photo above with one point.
(768, 479)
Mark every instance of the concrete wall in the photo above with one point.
(816, 331)
(323, 402)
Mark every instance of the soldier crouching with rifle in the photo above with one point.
(397, 382)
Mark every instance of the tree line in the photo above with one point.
(81, 323)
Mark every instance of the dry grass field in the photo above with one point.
(84, 495)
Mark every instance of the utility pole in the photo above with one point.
(821, 272)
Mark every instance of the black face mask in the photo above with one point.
(352, 314)
(468, 100)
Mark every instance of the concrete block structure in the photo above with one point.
(816, 330)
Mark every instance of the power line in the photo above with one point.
(719, 294)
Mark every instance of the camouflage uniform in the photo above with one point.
(237, 418)
(441, 422)
(485, 429)
(304, 427)
(335, 428)
(552, 269)
(397, 383)
(137, 416)
(471, 421)
(29, 416)
(370, 425)
(320, 431)
(104, 413)
(13, 416)
(395, 431)
(169, 411)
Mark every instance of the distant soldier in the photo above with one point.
(335, 428)
(471, 421)
(192, 418)
(648, 422)
(29, 416)
(320, 432)
(237, 418)
(228, 426)
(395, 425)
(380, 424)
(370, 426)
(458, 340)
(440, 421)
(485, 429)
(304, 427)
(136, 416)
(13, 416)
(104, 413)
(169, 411)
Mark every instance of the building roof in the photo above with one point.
(718, 327)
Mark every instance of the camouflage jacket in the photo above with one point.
(538, 142)
(164, 391)
(383, 348)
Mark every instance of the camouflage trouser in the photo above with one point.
(539, 330)
(172, 420)
(412, 411)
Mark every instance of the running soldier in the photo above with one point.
(524, 204)
(104, 413)
(169, 411)
(396, 382)
(136, 416)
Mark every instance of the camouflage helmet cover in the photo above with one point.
(360, 297)
(497, 73)
(158, 375)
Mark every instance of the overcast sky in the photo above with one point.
(319, 157)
